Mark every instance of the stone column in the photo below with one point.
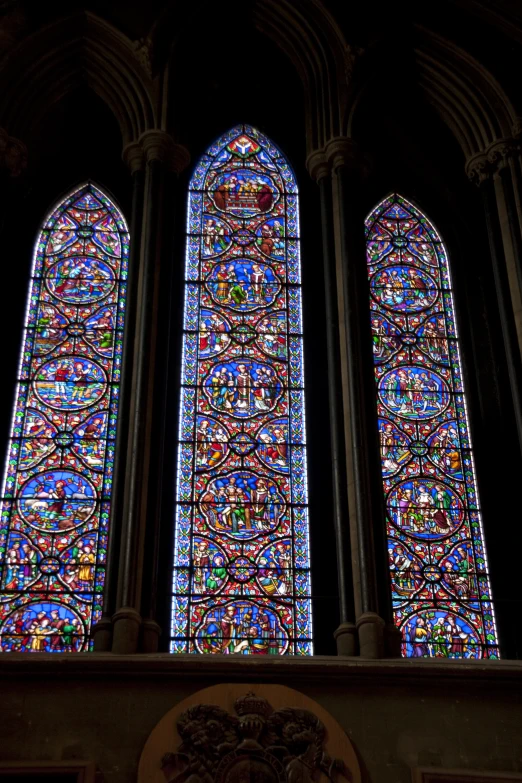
(102, 631)
(346, 633)
(493, 176)
(367, 518)
(161, 156)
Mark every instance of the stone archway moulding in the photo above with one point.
(233, 732)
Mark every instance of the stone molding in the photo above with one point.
(318, 668)
(156, 145)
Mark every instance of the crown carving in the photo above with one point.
(252, 705)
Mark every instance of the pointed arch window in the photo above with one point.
(438, 567)
(57, 485)
(241, 565)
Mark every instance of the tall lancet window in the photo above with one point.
(241, 580)
(438, 567)
(57, 486)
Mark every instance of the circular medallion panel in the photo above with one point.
(243, 285)
(242, 389)
(56, 500)
(244, 192)
(425, 509)
(80, 280)
(413, 392)
(404, 288)
(242, 505)
(69, 383)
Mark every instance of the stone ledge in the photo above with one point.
(326, 669)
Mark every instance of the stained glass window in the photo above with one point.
(57, 486)
(438, 568)
(241, 566)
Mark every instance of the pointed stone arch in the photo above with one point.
(76, 50)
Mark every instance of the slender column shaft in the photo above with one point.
(127, 619)
(102, 631)
(368, 497)
(136, 463)
(340, 509)
(504, 299)
(508, 175)
(159, 510)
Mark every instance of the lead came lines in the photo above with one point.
(59, 468)
(236, 585)
(440, 586)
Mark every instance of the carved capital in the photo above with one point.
(317, 165)
(346, 153)
(492, 160)
(478, 169)
(156, 145)
(340, 152)
(501, 151)
(133, 156)
(159, 146)
(13, 154)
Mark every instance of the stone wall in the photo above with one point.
(398, 714)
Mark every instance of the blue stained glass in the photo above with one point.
(241, 580)
(58, 480)
(438, 569)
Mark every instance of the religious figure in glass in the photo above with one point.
(57, 485)
(438, 568)
(241, 565)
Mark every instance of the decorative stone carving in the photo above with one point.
(256, 744)
(13, 154)
(156, 145)
(143, 50)
(340, 151)
(492, 160)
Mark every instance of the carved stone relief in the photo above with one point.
(252, 736)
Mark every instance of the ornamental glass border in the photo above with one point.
(241, 581)
(441, 591)
(58, 477)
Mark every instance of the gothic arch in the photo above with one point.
(60, 58)
(466, 95)
(311, 39)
